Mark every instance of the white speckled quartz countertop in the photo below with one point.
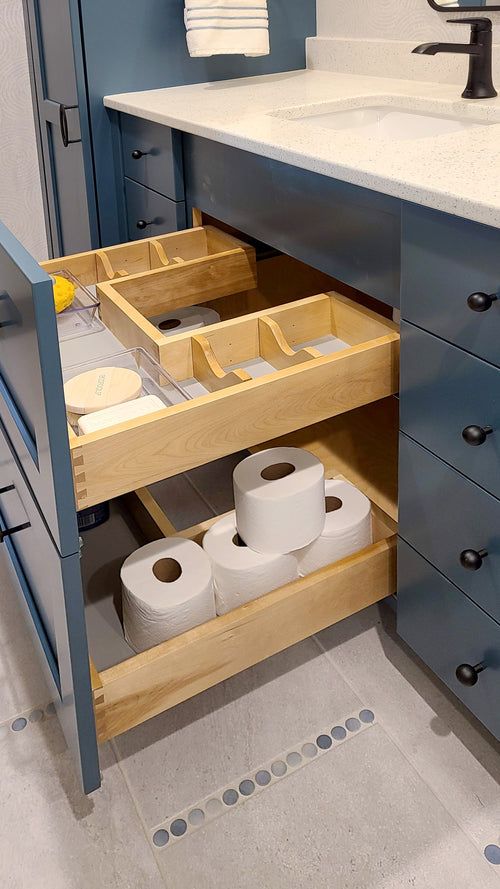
(457, 173)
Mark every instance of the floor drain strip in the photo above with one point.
(231, 796)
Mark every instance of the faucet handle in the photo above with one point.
(479, 24)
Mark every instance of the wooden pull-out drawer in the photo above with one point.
(250, 379)
(201, 256)
(143, 685)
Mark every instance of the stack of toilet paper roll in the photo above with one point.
(288, 522)
(184, 319)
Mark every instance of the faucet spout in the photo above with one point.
(479, 50)
(431, 49)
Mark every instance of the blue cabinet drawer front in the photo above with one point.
(144, 205)
(443, 391)
(159, 165)
(442, 514)
(444, 260)
(446, 629)
(32, 547)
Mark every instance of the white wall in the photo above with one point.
(376, 37)
(21, 206)
(391, 20)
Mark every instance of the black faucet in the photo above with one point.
(479, 83)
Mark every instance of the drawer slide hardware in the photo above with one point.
(476, 435)
(472, 559)
(481, 302)
(467, 674)
(10, 531)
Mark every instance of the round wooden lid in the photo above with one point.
(100, 388)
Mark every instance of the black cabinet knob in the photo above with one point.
(467, 674)
(472, 559)
(142, 224)
(137, 154)
(476, 435)
(481, 302)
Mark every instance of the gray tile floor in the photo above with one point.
(412, 801)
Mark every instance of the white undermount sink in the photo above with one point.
(388, 122)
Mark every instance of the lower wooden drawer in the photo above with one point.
(150, 213)
(447, 630)
(146, 684)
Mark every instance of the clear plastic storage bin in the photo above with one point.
(82, 316)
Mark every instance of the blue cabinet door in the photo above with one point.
(32, 408)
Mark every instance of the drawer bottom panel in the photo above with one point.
(446, 630)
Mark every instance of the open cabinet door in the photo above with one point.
(37, 512)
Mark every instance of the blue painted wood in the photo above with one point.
(58, 77)
(348, 232)
(160, 166)
(32, 405)
(144, 204)
(135, 46)
(446, 629)
(443, 390)
(441, 513)
(444, 260)
(52, 592)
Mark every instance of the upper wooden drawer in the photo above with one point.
(446, 259)
(250, 379)
(469, 521)
(152, 155)
(446, 630)
(444, 391)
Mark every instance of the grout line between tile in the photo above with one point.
(412, 765)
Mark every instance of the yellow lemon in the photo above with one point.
(64, 292)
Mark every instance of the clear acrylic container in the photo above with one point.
(82, 316)
(155, 380)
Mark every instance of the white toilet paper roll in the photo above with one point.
(183, 319)
(167, 589)
(348, 527)
(240, 574)
(279, 495)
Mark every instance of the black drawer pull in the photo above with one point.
(481, 302)
(472, 559)
(142, 224)
(476, 435)
(467, 674)
(10, 531)
(7, 489)
(137, 154)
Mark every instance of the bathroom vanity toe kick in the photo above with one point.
(156, 680)
(241, 412)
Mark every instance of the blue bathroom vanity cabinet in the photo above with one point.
(341, 406)
(82, 50)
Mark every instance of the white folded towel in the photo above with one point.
(222, 27)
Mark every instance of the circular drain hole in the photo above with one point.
(178, 827)
(263, 778)
(294, 759)
(352, 724)
(161, 838)
(492, 854)
(213, 807)
(36, 716)
(230, 797)
(367, 716)
(196, 817)
(338, 733)
(324, 742)
(19, 724)
(278, 768)
(309, 751)
(246, 787)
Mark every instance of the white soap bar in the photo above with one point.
(110, 416)
(100, 388)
